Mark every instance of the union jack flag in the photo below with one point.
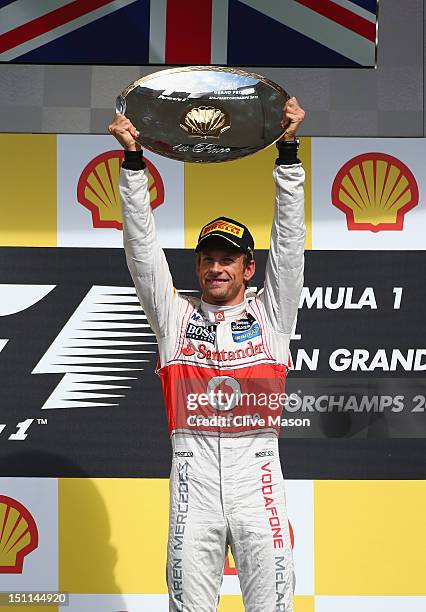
(219, 32)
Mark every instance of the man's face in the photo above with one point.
(222, 274)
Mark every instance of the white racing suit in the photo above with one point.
(226, 484)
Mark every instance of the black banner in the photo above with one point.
(71, 406)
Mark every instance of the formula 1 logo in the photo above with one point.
(16, 298)
(99, 350)
(100, 354)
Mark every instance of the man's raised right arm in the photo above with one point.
(145, 257)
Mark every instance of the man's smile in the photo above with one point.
(216, 282)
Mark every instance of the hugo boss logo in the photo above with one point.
(207, 333)
(268, 453)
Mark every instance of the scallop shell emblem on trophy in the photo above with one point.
(205, 121)
(204, 113)
(19, 535)
(97, 189)
(375, 191)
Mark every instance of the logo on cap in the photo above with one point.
(222, 226)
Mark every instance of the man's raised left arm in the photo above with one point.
(285, 266)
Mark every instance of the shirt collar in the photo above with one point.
(230, 313)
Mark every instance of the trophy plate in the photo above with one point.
(204, 113)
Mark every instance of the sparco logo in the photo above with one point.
(269, 453)
(184, 454)
(201, 332)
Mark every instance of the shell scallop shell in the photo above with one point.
(204, 121)
(98, 191)
(18, 534)
(375, 190)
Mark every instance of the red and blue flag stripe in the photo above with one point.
(170, 32)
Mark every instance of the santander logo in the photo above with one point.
(203, 352)
(189, 349)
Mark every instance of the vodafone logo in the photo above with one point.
(375, 191)
(219, 316)
(227, 384)
(97, 188)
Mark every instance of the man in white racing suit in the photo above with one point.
(218, 357)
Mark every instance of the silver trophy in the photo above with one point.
(204, 113)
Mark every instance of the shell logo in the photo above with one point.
(204, 121)
(375, 191)
(230, 567)
(18, 535)
(97, 188)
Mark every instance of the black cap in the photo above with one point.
(227, 229)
